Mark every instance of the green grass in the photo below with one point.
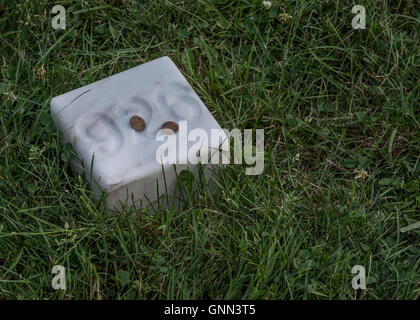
(340, 109)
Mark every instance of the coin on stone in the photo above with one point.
(170, 125)
(137, 123)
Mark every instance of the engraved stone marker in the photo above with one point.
(112, 125)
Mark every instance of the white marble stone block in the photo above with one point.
(118, 152)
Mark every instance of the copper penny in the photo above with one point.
(137, 123)
(171, 126)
